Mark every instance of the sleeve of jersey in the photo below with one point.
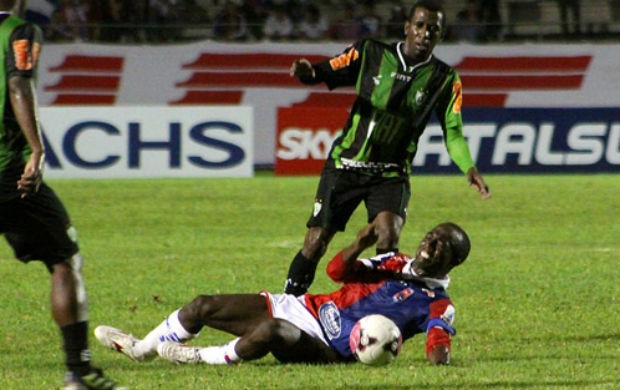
(439, 329)
(24, 51)
(341, 70)
(449, 109)
(375, 268)
(339, 271)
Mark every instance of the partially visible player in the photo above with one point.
(398, 87)
(315, 328)
(32, 218)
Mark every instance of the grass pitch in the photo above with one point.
(537, 300)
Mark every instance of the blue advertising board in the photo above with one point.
(530, 140)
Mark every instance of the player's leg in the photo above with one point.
(236, 314)
(41, 230)
(287, 342)
(388, 228)
(387, 208)
(336, 199)
(303, 267)
(283, 326)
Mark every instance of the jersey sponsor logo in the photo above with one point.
(344, 60)
(329, 315)
(401, 77)
(403, 294)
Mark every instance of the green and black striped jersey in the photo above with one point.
(394, 103)
(20, 44)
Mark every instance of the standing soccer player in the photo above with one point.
(398, 86)
(32, 218)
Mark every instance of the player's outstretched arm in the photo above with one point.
(476, 181)
(344, 264)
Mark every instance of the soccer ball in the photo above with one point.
(375, 340)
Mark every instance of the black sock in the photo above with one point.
(381, 250)
(300, 275)
(75, 337)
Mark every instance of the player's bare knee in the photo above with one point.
(276, 332)
(387, 235)
(200, 307)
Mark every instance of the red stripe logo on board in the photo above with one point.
(87, 80)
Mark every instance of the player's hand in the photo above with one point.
(32, 177)
(302, 68)
(476, 181)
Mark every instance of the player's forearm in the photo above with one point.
(459, 153)
(438, 346)
(21, 94)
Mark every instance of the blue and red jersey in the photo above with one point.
(383, 285)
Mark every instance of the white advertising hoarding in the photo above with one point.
(125, 142)
(211, 73)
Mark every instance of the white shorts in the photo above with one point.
(293, 309)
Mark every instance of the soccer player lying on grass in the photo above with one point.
(315, 328)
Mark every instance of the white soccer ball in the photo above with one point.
(375, 340)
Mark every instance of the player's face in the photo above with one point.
(423, 32)
(435, 257)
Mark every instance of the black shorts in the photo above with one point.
(341, 191)
(38, 227)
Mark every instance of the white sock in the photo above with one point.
(170, 329)
(223, 354)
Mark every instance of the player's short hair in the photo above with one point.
(431, 5)
(460, 243)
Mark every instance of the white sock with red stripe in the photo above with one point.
(223, 354)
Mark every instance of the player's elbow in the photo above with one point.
(439, 355)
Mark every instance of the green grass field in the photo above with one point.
(537, 300)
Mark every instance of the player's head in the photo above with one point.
(443, 248)
(424, 28)
(7, 5)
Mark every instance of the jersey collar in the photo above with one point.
(430, 282)
(401, 57)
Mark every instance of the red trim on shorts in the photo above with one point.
(266, 294)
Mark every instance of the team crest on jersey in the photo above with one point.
(329, 315)
(420, 97)
(318, 205)
(72, 233)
